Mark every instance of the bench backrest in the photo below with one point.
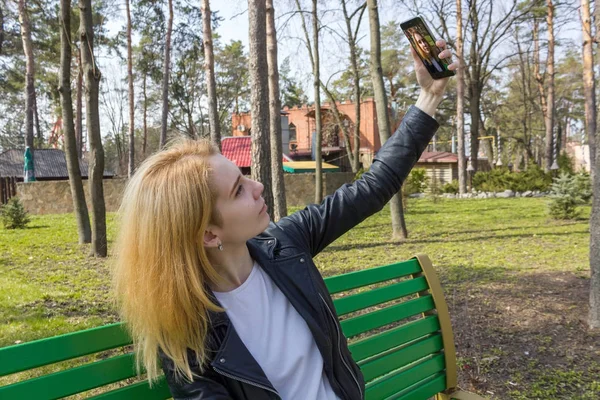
(403, 346)
(398, 318)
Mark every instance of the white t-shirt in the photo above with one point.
(277, 337)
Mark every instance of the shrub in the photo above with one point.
(584, 186)
(13, 215)
(501, 179)
(416, 182)
(565, 197)
(451, 187)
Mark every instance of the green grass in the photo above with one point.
(515, 281)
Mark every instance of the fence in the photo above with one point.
(8, 189)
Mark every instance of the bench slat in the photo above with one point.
(373, 297)
(394, 337)
(353, 280)
(397, 382)
(425, 390)
(41, 352)
(138, 391)
(376, 319)
(72, 381)
(401, 357)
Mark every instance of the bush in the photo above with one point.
(584, 186)
(416, 182)
(451, 187)
(565, 197)
(501, 179)
(565, 164)
(13, 214)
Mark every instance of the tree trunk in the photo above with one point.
(589, 80)
(317, 89)
(590, 127)
(549, 118)
(36, 118)
(474, 92)
(460, 102)
(29, 74)
(145, 117)
(398, 224)
(259, 97)
(354, 155)
(165, 83)
(75, 182)
(209, 67)
(79, 106)
(131, 164)
(96, 153)
(541, 88)
(279, 200)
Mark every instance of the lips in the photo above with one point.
(263, 209)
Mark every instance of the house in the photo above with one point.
(49, 165)
(299, 129)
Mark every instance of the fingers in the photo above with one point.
(441, 43)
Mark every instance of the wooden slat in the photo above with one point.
(41, 352)
(345, 305)
(425, 390)
(138, 391)
(353, 280)
(400, 358)
(376, 319)
(395, 383)
(72, 381)
(398, 336)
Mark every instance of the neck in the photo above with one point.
(233, 264)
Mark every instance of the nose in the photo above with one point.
(259, 188)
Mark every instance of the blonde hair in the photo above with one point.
(161, 268)
(413, 32)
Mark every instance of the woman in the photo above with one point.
(428, 56)
(230, 303)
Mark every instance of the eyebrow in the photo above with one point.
(235, 185)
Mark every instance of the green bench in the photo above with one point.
(394, 316)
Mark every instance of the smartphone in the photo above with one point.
(423, 41)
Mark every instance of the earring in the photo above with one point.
(220, 246)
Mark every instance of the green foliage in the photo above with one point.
(565, 197)
(291, 91)
(565, 164)
(451, 187)
(359, 174)
(14, 215)
(584, 186)
(416, 182)
(501, 179)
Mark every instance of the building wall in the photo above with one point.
(54, 197)
(443, 172)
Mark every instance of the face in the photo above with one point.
(240, 203)
(422, 43)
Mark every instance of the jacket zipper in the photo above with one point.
(340, 346)
(237, 378)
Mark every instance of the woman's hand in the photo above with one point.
(432, 89)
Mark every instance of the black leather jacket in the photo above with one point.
(285, 251)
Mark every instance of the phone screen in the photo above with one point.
(422, 40)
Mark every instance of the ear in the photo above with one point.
(210, 239)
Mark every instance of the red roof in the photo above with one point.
(237, 149)
(438, 157)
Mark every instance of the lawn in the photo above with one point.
(516, 283)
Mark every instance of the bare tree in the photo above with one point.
(209, 67)
(398, 224)
(279, 200)
(259, 97)
(165, 83)
(460, 101)
(96, 154)
(29, 74)
(79, 106)
(131, 163)
(313, 52)
(590, 125)
(75, 182)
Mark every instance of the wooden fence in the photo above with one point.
(8, 189)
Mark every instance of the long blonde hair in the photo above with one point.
(161, 267)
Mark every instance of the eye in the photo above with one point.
(239, 190)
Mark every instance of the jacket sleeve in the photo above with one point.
(319, 225)
(205, 386)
